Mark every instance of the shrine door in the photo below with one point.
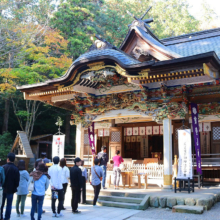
(115, 141)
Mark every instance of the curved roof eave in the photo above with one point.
(122, 59)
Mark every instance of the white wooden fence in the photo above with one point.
(154, 171)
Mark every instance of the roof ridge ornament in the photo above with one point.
(139, 21)
(100, 44)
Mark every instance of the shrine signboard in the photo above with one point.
(58, 146)
(185, 154)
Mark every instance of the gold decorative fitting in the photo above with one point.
(144, 73)
(96, 66)
(120, 70)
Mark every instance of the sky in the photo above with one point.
(196, 6)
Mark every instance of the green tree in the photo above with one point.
(76, 20)
(6, 142)
(171, 18)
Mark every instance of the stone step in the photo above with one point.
(119, 204)
(121, 194)
(121, 199)
(188, 209)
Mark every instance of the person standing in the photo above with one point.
(65, 177)
(2, 180)
(40, 178)
(22, 188)
(82, 197)
(55, 173)
(44, 158)
(97, 174)
(12, 177)
(76, 184)
(103, 157)
(116, 170)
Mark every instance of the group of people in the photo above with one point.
(16, 179)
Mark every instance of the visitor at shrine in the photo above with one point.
(76, 181)
(22, 189)
(55, 173)
(82, 197)
(103, 157)
(97, 174)
(2, 180)
(12, 177)
(64, 178)
(44, 157)
(116, 170)
(40, 179)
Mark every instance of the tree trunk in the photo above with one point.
(6, 116)
(67, 128)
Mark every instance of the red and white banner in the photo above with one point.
(58, 146)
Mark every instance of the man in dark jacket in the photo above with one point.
(76, 184)
(103, 157)
(12, 178)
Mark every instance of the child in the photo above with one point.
(82, 197)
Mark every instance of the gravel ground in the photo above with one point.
(166, 214)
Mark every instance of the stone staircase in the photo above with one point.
(120, 199)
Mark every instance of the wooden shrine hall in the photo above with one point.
(139, 94)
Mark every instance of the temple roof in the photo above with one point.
(195, 43)
(119, 55)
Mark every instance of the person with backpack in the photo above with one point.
(40, 183)
(12, 177)
(22, 188)
(97, 174)
(103, 157)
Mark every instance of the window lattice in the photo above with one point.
(86, 139)
(216, 133)
(115, 136)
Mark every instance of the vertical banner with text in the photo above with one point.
(58, 146)
(195, 123)
(185, 154)
(91, 132)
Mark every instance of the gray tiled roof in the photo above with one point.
(120, 55)
(195, 43)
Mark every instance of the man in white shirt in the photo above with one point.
(55, 173)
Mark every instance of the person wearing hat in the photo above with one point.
(76, 181)
(44, 158)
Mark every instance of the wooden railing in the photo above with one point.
(70, 159)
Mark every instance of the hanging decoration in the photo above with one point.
(195, 123)
(91, 132)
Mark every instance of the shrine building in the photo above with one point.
(139, 94)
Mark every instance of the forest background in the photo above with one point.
(39, 39)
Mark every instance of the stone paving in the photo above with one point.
(166, 214)
(88, 212)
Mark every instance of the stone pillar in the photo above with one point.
(79, 141)
(167, 153)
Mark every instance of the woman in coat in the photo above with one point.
(22, 189)
(40, 178)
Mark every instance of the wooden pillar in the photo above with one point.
(79, 141)
(167, 153)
